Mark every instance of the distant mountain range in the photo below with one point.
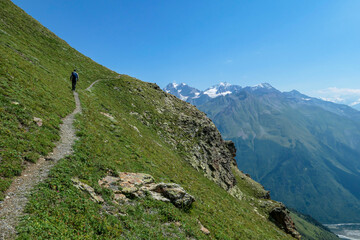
(305, 150)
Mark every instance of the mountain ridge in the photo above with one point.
(224, 88)
(285, 132)
(126, 126)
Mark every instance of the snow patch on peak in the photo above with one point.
(184, 98)
(224, 84)
(333, 99)
(197, 95)
(213, 92)
(262, 85)
(175, 85)
(355, 103)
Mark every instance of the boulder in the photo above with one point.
(138, 185)
(281, 217)
(175, 193)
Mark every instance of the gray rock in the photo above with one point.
(281, 217)
(175, 193)
(139, 185)
(38, 121)
(84, 187)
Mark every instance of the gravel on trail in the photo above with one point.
(11, 209)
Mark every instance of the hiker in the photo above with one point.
(74, 78)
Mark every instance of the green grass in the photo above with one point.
(34, 72)
(115, 145)
(34, 82)
(310, 229)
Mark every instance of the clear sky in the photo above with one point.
(308, 45)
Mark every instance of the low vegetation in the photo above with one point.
(111, 138)
(34, 83)
(311, 229)
(111, 142)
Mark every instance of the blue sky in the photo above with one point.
(311, 46)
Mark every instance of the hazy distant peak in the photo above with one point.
(263, 85)
(297, 95)
(221, 89)
(182, 91)
(175, 85)
(225, 84)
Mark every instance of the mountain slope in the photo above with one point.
(34, 82)
(310, 229)
(305, 150)
(126, 125)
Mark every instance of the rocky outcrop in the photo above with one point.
(139, 185)
(197, 139)
(281, 217)
(193, 133)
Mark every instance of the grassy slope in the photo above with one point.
(310, 229)
(34, 72)
(58, 209)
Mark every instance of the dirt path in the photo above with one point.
(91, 85)
(13, 205)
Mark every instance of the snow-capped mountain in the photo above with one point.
(293, 138)
(221, 89)
(196, 97)
(182, 91)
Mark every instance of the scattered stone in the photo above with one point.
(203, 229)
(136, 129)
(38, 121)
(15, 103)
(84, 187)
(139, 185)
(175, 193)
(108, 116)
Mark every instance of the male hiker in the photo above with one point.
(74, 78)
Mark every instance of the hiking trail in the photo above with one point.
(92, 84)
(12, 208)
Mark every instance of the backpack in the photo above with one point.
(74, 76)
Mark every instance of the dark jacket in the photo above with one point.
(74, 76)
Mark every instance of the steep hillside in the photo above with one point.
(305, 150)
(311, 229)
(121, 140)
(126, 126)
(34, 83)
